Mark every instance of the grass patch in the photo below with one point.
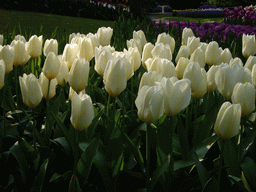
(190, 19)
(29, 23)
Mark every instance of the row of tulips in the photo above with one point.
(179, 91)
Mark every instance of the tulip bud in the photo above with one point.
(95, 41)
(198, 56)
(102, 55)
(213, 54)
(193, 43)
(141, 37)
(51, 66)
(183, 52)
(115, 78)
(166, 39)
(104, 35)
(226, 56)
(244, 94)
(70, 54)
(86, 49)
(20, 53)
(181, 66)
(177, 95)
(135, 43)
(236, 60)
(31, 90)
(149, 78)
(62, 77)
(186, 33)
(50, 45)
(211, 84)
(163, 66)
(146, 54)
(82, 112)
(248, 45)
(162, 51)
(34, 46)
(2, 73)
(134, 57)
(79, 74)
(44, 82)
(72, 91)
(20, 37)
(150, 103)
(7, 54)
(202, 88)
(250, 62)
(227, 123)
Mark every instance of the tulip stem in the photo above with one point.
(220, 161)
(48, 128)
(149, 145)
(34, 128)
(240, 149)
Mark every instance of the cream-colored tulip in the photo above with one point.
(44, 82)
(50, 45)
(248, 45)
(20, 53)
(95, 41)
(70, 54)
(82, 112)
(104, 35)
(51, 66)
(202, 88)
(134, 43)
(162, 51)
(72, 91)
(177, 95)
(134, 57)
(227, 123)
(166, 39)
(20, 37)
(181, 66)
(150, 103)
(211, 84)
(2, 73)
(62, 77)
(226, 56)
(183, 52)
(186, 33)
(244, 94)
(250, 62)
(31, 90)
(141, 37)
(115, 78)
(163, 66)
(198, 56)
(150, 78)
(236, 60)
(193, 43)
(254, 75)
(86, 48)
(7, 54)
(34, 46)
(213, 54)
(79, 74)
(146, 54)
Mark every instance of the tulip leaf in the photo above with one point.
(74, 185)
(248, 166)
(211, 186)
(87, 158)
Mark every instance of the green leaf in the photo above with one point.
(211, 186)
(39, 180)
(119, 165)
(74, 185)
(87, 158)
(249, 168)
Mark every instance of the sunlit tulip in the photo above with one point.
(70, 54)
(31, 90)
(134, 43)
(34, 46)
(164, 66)
(203, 46)
(177, 95)
(183, 52)
(7, 54)
(20, 53)
(104, 35)
(244, 94)
(181, 66)
(128, 65)
(211, 84)
(226, 56)
(20, 37)
(51, 66)
(248, 45)
(1, 39)
(146, 54)
(114, 77)
(86, 49)
(141, 36)
(2, 73)
(95, 41)
(162, 51)
(150, 78)
(134, 57)
(50, 45)
(62, 77)
(102, 55)
(250, 62)
(198, 56)
(202, 88)
(150, 103)
(79, 74)
(236, 60)
(82, 112)
(71, 93)
(166, 39)
(213, 54)
(227, 123)
(44, 82)
(192, 43)
(186, 33)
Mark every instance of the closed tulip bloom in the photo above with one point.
(244, 94)
(183, 52)
(226, 56)
(2, 73)
(181, 66)
(150, 103)
(44, 82)
(250, 62)
(193, 43)
(211, 84)
(20, 37)
(202, 88)
(7, 54)
(71, 93)
(51, 66)
(177, 95)
(20, 53)
(79, 74)
(95, 41)
(198, 56)
(62, 77)
(86, 49)
(227, 123)
(146, 54)
(254, 75)
(140, 36)
(134, 57)
(134, 43)
(166, 39)
(1, 39)
(150, 78)
(162, 51)
(34, 46)
(115, 78)
(164, 66)
(31, 90)
(82, 112)
(186, 33)
(236, 60)
(102, 55)
(104, 35)
(50, 45)
(213, 54)
(70, 54)
(248, 45)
